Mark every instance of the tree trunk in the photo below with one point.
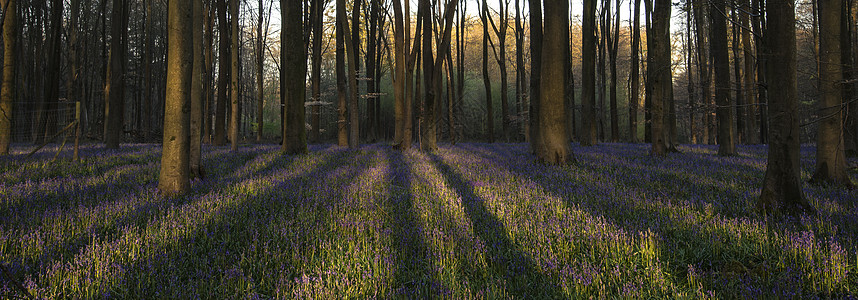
(554, 135)
(752, 135)
(174, 176)
(196, 115)
(351, 51)
(371, 51)
(721, 60)
(260, 72)
(536, 40)
(661, 78)
(737, 75)
(850, 134)
(830, 150)
(588, 70)
(223, 74)
(758, 6)
(487, 84)
(500, 57)
(7, 91)
(342, 91)
(460, 59)
(427, 132)
(613, 47)
(293, 76)
(634, 94)
(519, 70)
(209, 71)
(689, 55)
(114, 90)
(234, 88)
(316, 79)
(781, 191)
(602, 70)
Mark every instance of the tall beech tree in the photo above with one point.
(432, 69)
(721, 61)
(588, 70)
(223, 74)
(552, 115)
(316, 10)
(704, 70)
(352, 49)
(293, 56)
(499, 52)
(634, 85)
(405, 58)
(660, 70)
(759, 27)
(752, 135)
(830, 149)
(260, 70)
(536, 39)
(781, 191)
(520, 92)
(174, 176)
(340, 65)
(487, 82)
(197, 79)
(114, 88)
(234, 65)
(8, 89)
(850, 131)
(613, 49)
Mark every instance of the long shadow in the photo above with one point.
(503, 255)
(639, 170)
(203, 258)
(412, 258)
(682, 244)
(151, 205)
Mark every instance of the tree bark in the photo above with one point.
(174, 176)
(661, 74)
(781, 191)
(114, 89)
(316, 77)
(351, 51)
(487, 84)
(554, 134)
(721, 60)
(196, 114)
(209, 70)
(371, 52)
(223, 74)
(850, 134)
(520, 93)
(293, 77)
(613, 47)
(588, 70)
(260, 72)
(830, 149)
(7, 91)
(752, 135)
(234, 88)
(342, 90)
(759, 26)
(738, 75)
(634, 94)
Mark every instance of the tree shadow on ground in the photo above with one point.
(504, 257)
(412, 258)
(737, 272)
(149, 210)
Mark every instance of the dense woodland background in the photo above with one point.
(693, 71)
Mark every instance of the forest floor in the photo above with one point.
(469, 221)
